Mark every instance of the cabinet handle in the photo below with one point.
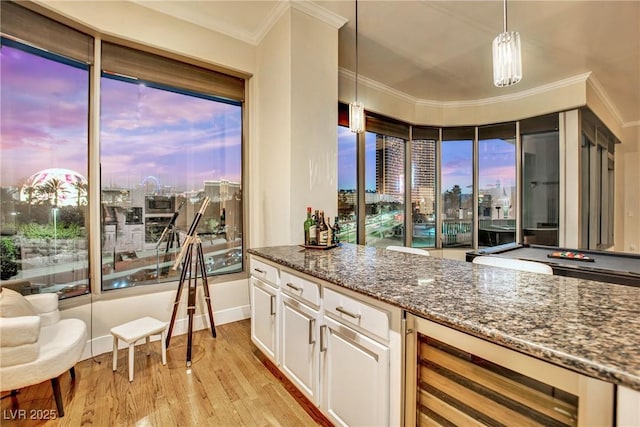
(312, 323)
(259, 271)
(323, 347)
(347, 313)
(273, 305)
(294, 287)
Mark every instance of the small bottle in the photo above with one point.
(336, 232)
(313, 230)
(323, 232)
(329, 232)
(307, 227)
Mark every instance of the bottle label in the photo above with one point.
(312, 235)
(323, 237)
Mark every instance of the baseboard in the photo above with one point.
(104, 344)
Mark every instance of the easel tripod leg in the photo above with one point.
(207, 296)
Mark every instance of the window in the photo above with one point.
(170, 134)
(385, 181)
(163, 150)
(347, 184)
(496, 184)
(44, 161)
(423, 187)
(540, 180)
(457, 187)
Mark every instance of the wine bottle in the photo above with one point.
(307, 227)
(313, 230)
(323, 233)
(329, 231)
(336, 232)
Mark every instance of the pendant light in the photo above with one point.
(507, 57)
(356, 109)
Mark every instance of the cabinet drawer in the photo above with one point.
(300, 288)
(353, 312)
(264, 271)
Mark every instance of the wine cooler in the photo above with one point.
(454, 379)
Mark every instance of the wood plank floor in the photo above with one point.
(228, 385)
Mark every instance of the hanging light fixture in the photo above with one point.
(507, 57)
(356, 109)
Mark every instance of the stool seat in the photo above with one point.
(135, 330)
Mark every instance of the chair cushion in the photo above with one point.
(10, 356)
(13, 304)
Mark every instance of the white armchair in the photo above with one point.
(35, 344)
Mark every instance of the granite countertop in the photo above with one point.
(586, 326)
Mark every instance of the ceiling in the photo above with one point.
(441, 50)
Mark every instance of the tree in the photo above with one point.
(8, 254)
(53, 189)
(82, 189)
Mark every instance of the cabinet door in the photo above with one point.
(355, 377)
(299, 355)
(263, 317)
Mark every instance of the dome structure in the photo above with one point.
(61, 187)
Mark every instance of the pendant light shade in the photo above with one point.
(356, 117)
(507, 56)
(356, 109)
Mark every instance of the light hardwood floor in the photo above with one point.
(229, 385)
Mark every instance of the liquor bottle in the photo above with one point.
(329, 231)
(307, 227)
(336, 232)
(313, 230)
(323, 232)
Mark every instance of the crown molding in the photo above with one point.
(319, 12)
(270, 21)
(599, 90)
(201, 21)
(373, 84)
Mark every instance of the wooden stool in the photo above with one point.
(135, 330)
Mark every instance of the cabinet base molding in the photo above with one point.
(311, 409)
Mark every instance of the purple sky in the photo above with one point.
(180, 139)
(43, 119)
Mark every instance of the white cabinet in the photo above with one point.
(264, 296)
(355, 377)
(299, 351)
(342, 350)
(628, 409)
(264, 300)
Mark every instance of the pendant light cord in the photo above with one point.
(357, 57)
(504, 13)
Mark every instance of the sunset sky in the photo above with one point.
(181, 140)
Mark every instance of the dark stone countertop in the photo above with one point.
(589, 327)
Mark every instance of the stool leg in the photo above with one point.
(132, 351)
(146, 344)
(115, 353)
(164, 347)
